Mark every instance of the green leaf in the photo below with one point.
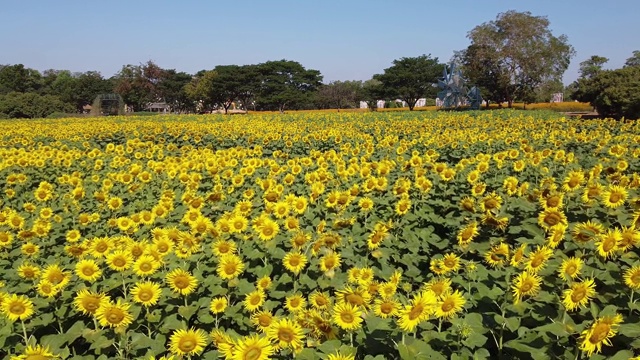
(307, 354)
(629, 330)
(475, 340)
(622, 355)
(330, 346)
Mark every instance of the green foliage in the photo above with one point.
(31, 105)
(411, 78)
(512, 55)
(616, 93)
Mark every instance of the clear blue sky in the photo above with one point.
(345, 40)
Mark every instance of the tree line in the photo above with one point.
(515, 57)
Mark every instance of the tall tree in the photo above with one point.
(411, 78)
(286, 84)
(172, 90)
(589, 69)
(339, 94)
(200, 90)
(19, 79)
(634, 60)
(370, 92)
(139, 85)
(522, 50)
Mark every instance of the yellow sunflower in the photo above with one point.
(614, 196)
(230, 266)
(347, 316)
(252, 348)
(632, 277)
(295, 303)
(146, 293)
(525, 284)
(449, 305)
(89, 302)
(146, 265)
(286, 334)
(294, 262)
(330, 262)
(537, 259)
(17, 307)
(181, 281)
(600, 332)
(386, 308)
(497, 256)
(254, 300)
(418, 310)
(262, 320)
(218, 305)
(607, 243)
(36, 352)
(114, 315)
(551, 218)
(579, 294)
(570, 268)
(187, 342)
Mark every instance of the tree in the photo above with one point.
(249, 79)
(17, 78)
(634, 60)
(411, 78)
(285, 84)
(582, 89)
(172, 90)
(339, 94)
(139, 85)
(521, 52)
(370, 92)
(200, 90)
(31, 105)
(484, 73)
(616, 93)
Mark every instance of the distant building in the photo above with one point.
(158, 107)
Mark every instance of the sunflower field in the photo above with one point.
(432, 235)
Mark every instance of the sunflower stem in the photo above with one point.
(24, 333)
(631, 302)
(351, 338)
(124, 285)
(439, 325)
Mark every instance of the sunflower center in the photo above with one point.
(145, 295)
(17, 309)
(181, 282)
(145, 266)
(101, 247)
(416, 311)
(264, 320)
(578, 294)
(88, 271)
(267, 231)
(252, 353)
(119, 262)
(230, 268)
(347, 317)
(187, 344)
(552, 219)
(526, 287)
(450, 263)
(608, 244)
(490, 204)
(635, 278)
(255, 299)
(553, 201)
(599, 333)
(386, 308)
(537, 261)
(285, 335)
(447, 305)
(571, 269)
(91, 304)
(614, 197)
(355, 299)
(294, 261)
(115, 316)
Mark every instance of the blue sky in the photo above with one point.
(345, 40)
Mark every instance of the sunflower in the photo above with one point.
(319, 300)
(607, 243)
(632, 277)
(579, 294)
(518, 255)
(614, 196)
(587, 231)
(630, 238)
(570, 268)
(281, 209)
(47, 289)
(17, 307)
(264, 282)
(268, 229)
(403, 206)
(119, 260)
(440, 287)
(181, 281)
(33, 352)
(600, 332)
(285, 333)
(262, 320)
(449, 305)
(491, 202)
(330, 262)
(419, 308)
(339, 356)
(55, 275)
(187, 342)
(254, 300)
(451, 262)
(28, 271)
(387, 289)
(537, 259)
(347, 316)
(294, 262)
(551, 218)
(218, 305)
(525, 284)
(114, 315)
(29, 249)
(89, 302)
(497, 256)
(146, 265)
(386, 308)
(252, 348)
(230, 266)
(101, 246)
(357, 297)
(573, 181)
(295, 303)
(365, 204)
(467, 234)
(146, 293)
